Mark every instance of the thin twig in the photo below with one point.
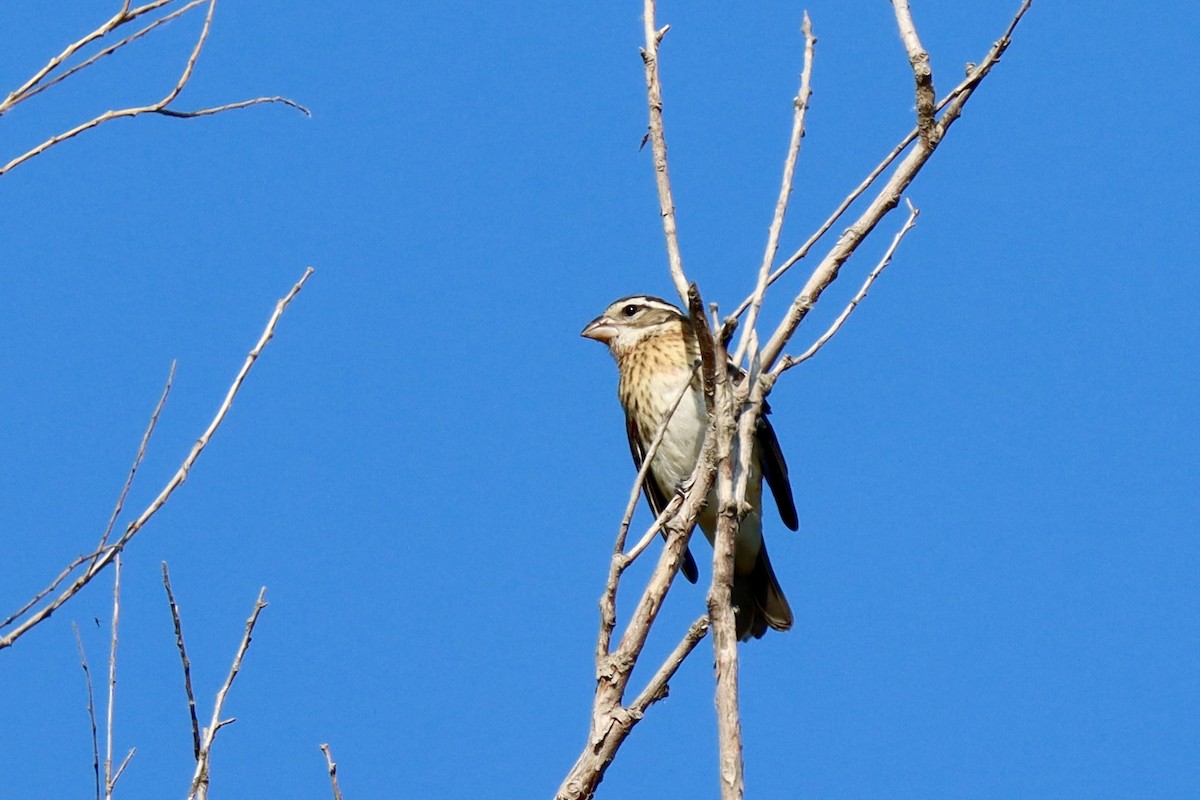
(640, 546)
(658, 143)
(187, 666)
(115, 47)
(788, 362)
(657, 688)
(62, 576)
(124, 763)
(975, 75)
(885, 200)
(199, 788)
(122, 17)
(91, 707)
(109, 781)
(620, 560)
(257, 101)
(176, 481)
(161, 107)
(137, 460)
(112, 519)
(337, 793)
(800, 104)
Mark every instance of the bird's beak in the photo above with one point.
(601, 329)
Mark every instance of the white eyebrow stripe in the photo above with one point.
(648, 302)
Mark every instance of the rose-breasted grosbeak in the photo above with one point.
(655, 347)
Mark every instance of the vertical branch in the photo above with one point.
(112, 679)
(658, 143)
(918, 59)
(720, 602)
(187, 666)
(800, 104)
(199, 787)
(91, 707)
(337, 793)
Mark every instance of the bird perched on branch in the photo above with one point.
(656, 350)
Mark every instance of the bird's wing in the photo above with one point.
(655, 496)
(775, 470)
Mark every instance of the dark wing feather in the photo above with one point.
(774, 469)
(656, 497)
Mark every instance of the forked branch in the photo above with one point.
(734, 407)
(38, 83)
(200, 779)
(106, 554)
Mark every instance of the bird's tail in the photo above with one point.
(759, 600)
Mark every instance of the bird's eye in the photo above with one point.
(629, 310)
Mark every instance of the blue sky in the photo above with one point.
(995, 461)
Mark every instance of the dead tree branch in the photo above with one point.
(612, 720)
(800, 105)
(884, 201)
(183, 657)
(38, 83)
(791, 361)
(111, 551)
(658, 145)
(91, 707)
(109, 779)
(199, 788)
(918, 59)
(337, 793)
(975, 74)
(726, 462)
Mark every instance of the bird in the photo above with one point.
(656, 350)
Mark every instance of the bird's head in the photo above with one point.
(631, 320)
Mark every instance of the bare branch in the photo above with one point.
(113, 48)
(620, 559)
(109, 780)
(176, 481)
(725, 461)
(658, 142)
(122, 17)
(612, 721)
(161, 107)
(187, 666)
(640, 546)
(91, 707)
(191, 62)
(787, 362)
(720, 600)
(137, 460)
(800, 104)
(918, 58)
(658, 688)
(885, 200)
(976, 73)
(124, 763)
(199, 788)
(337, 793)
(257, 101)
(62, 576)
